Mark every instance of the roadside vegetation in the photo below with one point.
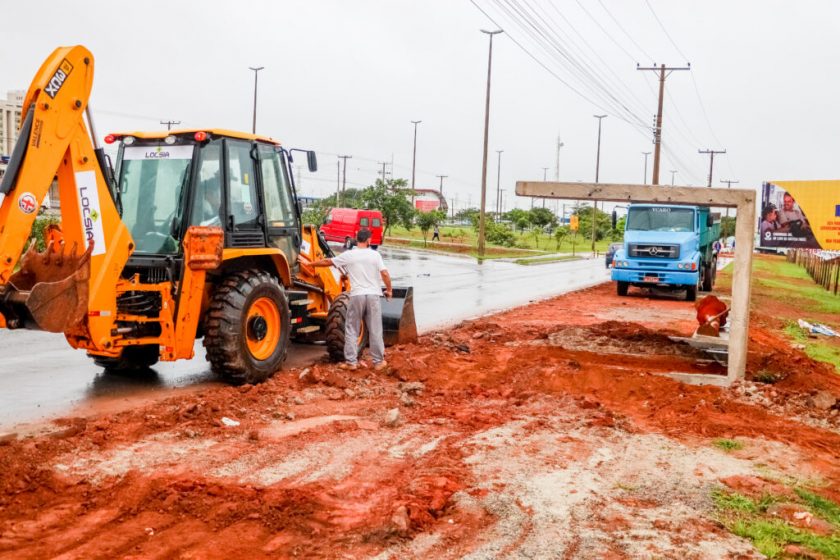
(795, 526)
(794, 295)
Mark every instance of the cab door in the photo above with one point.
(282, 228)
(245, 216)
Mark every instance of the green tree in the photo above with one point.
(522, 224)
(391, 198)
(499, 234)
(603, 223)
(727, 226)
(542, 217)
(428, 220)
(468, 215)
(560, 235)
(514, 216)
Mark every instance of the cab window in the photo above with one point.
(377, 222)
(363, 222)
(207, 205)
(278, 199)
(243, 203)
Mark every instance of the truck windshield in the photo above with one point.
(660, 219)
(152, 180)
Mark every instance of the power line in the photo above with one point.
(169, 124)
(664, 29)
(711, 161)
(657, 131)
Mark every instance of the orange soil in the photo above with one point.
(579, 350)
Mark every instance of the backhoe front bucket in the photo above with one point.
(52, 286)
(398, 325)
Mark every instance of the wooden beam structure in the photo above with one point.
(741, 199)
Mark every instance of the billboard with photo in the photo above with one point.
(800, 214)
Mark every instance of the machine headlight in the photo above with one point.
(128, 140)
(170, 140)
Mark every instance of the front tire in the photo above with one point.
(247, 327)
(334, 329)
(691, 293)
(622, 287)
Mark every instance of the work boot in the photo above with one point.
(348, 366)
(380, 366)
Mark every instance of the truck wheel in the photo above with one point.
(349, 243)
(133, 358)
(336, 318)
(621, 288)
(708, 277)
(691, 293)
(247, 327)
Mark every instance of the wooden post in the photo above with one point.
(742, 199)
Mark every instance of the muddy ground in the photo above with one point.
(543, 432)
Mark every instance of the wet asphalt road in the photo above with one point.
(42, 377)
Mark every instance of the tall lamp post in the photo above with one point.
(597, 177)
(414, 160)
(481, 215)
(256, 72)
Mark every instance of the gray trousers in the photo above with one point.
(369, 308)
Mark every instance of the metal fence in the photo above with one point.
(823, 266)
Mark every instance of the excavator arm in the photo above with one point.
(70, 286)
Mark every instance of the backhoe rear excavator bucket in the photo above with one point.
(398, 325)
(52, 286)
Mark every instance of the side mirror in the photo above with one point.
(312, 161)
(614, 218)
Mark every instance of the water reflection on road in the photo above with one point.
(41, 376)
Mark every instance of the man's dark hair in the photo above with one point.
(363, 236)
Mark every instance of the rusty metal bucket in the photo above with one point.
(52, 286)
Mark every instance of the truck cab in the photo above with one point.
(669, 247)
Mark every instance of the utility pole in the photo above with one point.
(338, 184)
(502, 201)
(498, 183)
(729, 184)
(711, 161)
(664, 72)
(344, 173)
(383, 164)
(169, 124)
(256, 72)
(414, 160)
(597, 176)
(441, 177)
(646, 154)
(673, 172)
(481, 216)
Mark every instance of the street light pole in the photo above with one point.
(597, 177)
(481, 215)
(256, 72)
(414, 160)
(498, 183)
(646, 154)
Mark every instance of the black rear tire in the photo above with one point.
(133, 358)
(622, 287)
(708, 277)
(334, 329)
(227, 331)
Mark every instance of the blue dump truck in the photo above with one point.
(667, 247)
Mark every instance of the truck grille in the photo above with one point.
(640, 250)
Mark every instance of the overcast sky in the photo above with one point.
(347, 77)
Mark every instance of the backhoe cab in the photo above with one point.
(197, 233)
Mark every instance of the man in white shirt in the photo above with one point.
(365, 268)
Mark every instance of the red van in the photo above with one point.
(342, 224)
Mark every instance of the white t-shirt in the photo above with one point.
(363, 267)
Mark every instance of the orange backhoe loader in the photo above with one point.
(195, 233)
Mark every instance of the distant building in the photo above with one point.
(10, 110)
